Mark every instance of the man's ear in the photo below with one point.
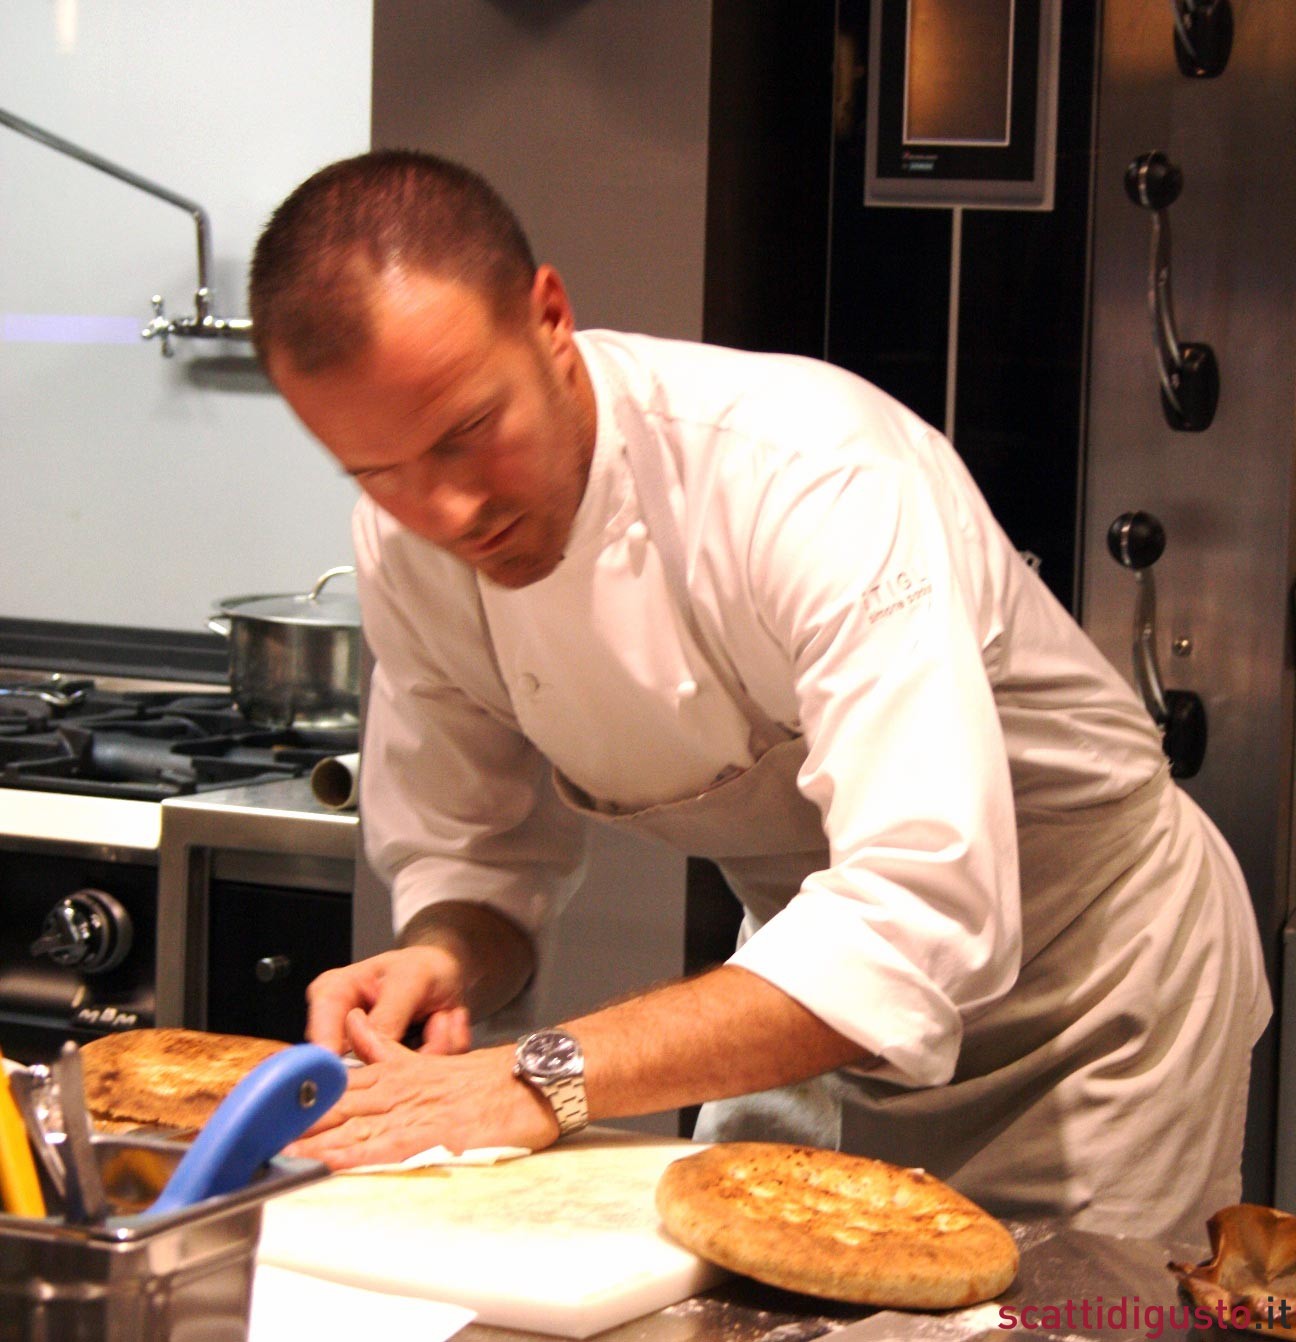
(551, 311)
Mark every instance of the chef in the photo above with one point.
(750, 606)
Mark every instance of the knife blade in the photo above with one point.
(86, 1202)
(273, 1105)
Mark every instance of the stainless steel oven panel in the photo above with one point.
(104, 825)
(1224, 495)
(273, 836)
(293, 871)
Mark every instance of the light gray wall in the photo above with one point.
(589, 117)
(137, 489)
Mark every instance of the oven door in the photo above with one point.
(265, 945)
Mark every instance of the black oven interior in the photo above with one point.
(265, 945)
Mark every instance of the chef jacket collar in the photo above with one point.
(605, 507)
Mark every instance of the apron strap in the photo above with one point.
(650, 485)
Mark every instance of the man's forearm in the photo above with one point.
(727, 1032)
(496, 957)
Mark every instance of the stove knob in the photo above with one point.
(270, 968)
(89, 931)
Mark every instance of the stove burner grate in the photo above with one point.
(146, 745)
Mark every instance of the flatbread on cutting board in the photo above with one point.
(836, 1225)
(168, 1078)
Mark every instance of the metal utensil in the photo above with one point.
(24, 1086)
(274, 1104)
(20, 1190)
(85, 1200)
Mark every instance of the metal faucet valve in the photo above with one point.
(159, 326)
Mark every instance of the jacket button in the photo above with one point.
(636, 533)
(687, 689)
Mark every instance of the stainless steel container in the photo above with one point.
(183, 1277)
(295, 658)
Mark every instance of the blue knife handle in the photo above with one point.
(273, 1105)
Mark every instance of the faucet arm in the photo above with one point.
(202, 322)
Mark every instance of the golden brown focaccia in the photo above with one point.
(836, 1225)
(169, 1078)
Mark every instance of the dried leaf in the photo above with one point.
(1251, 1277)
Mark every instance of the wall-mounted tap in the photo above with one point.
(202, 322)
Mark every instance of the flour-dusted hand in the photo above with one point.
(395, 991)
(403, 1101)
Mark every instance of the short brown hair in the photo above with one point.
(314, 262)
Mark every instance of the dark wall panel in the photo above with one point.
(1022, 299)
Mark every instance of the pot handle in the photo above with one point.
(339, 572)
(219, 624)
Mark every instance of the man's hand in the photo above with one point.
(394, 991)
(456, 961)
(403, 1102)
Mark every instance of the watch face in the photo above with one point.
(550, 1055)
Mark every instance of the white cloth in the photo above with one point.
(840, 558)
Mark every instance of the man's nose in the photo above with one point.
(454, 507)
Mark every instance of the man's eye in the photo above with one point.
(476, 425)
(379, 480)
(450, 448)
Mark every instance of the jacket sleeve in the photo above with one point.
(873, 581)
(456, 803)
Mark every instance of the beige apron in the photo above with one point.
(1109, 1085)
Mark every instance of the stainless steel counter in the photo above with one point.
(1073, 1286)
(283, 813)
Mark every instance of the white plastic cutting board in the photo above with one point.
(565, 1241)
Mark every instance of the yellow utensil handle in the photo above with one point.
(20, 1190)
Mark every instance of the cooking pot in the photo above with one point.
(294, 659)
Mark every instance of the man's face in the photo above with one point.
(474, 431)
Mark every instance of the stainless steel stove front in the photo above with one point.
(78, 948)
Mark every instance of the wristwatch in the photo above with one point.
(552, 1062)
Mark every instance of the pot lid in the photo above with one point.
(316, 607)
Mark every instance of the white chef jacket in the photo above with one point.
(840, 559)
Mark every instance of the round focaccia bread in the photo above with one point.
(168, 1078)
(836, 1225)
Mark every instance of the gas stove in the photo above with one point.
(74, 736)
(162, 861)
